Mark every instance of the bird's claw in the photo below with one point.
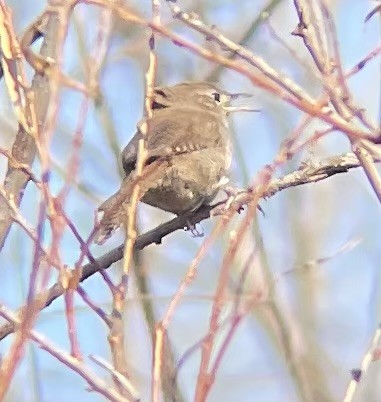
(193, 230)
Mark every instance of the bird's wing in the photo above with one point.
(176, 130)
(113, 212)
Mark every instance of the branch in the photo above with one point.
(96, 384)
(24, 148)
(309, 172)
(358, 374)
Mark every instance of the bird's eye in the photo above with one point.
(216, 96)
(161, 92)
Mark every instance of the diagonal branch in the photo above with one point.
(309, 172)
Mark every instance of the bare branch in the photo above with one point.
(309, 172)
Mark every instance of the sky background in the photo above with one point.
(330, 313)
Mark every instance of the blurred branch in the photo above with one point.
(376, 10)
(367, 162)
(162, 365)
(24, 147)
(317, 29)
(74, 364)
(121, 378)
(29, 110)
(34, 36)
(212, 33)
(103, 113)
(268, 79)
(263, 14)
(325, 54)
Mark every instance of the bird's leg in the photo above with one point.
(192, 228)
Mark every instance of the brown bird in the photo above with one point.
(188, 153)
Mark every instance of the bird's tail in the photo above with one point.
(111, 212)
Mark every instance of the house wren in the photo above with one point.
(188, 153)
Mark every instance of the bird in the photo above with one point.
(188, 153)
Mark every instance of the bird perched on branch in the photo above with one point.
(188, 153)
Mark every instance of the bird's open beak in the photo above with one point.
(240, 95)
(243, 108)
(231, 109)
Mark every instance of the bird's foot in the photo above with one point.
(194, 231)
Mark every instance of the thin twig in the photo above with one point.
(358, 374)
(74, 364)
